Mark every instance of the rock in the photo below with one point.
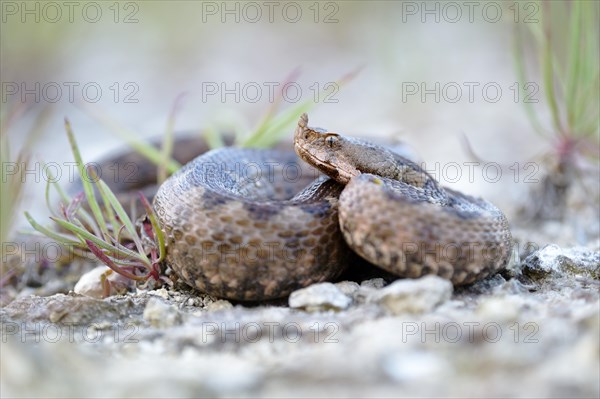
(160, 314)
(90, 284)
(348, 287)
(373, 283)
(74, 309)
(553, 260)
(412, 296)
(159, 292)
(219, 304)
(318, 297)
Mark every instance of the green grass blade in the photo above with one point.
(58, 237)
(11, 187)
(574, 63)
(51, 181)
(124, 218)
(132, 139)
(87, 185)
(110, 214)
(272, 109)
(521, 67)
(169, 137)
(86, 235)
(160, 238)
(276, 128)
(586, 102)
(548, 78)
(273, 126)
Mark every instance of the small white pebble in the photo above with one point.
(412, 296)
(90, 284)
(319, 296)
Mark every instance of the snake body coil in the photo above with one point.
(251, 224)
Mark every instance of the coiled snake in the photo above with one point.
(251, 224)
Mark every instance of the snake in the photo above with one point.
(256, 224)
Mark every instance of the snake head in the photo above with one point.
(324, 150)
(305, 134)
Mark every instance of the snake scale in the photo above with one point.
(250, 224)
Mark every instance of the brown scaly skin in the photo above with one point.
(234, 237)
(250, 237)
(396, 216)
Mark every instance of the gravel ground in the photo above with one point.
(530, 331)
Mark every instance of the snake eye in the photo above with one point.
(331, 139)
(306, 135)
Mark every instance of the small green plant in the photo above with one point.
(106, 231)
(568, 59)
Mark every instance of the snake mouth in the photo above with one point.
(317, 163)
(338, 174)
(310, 146)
